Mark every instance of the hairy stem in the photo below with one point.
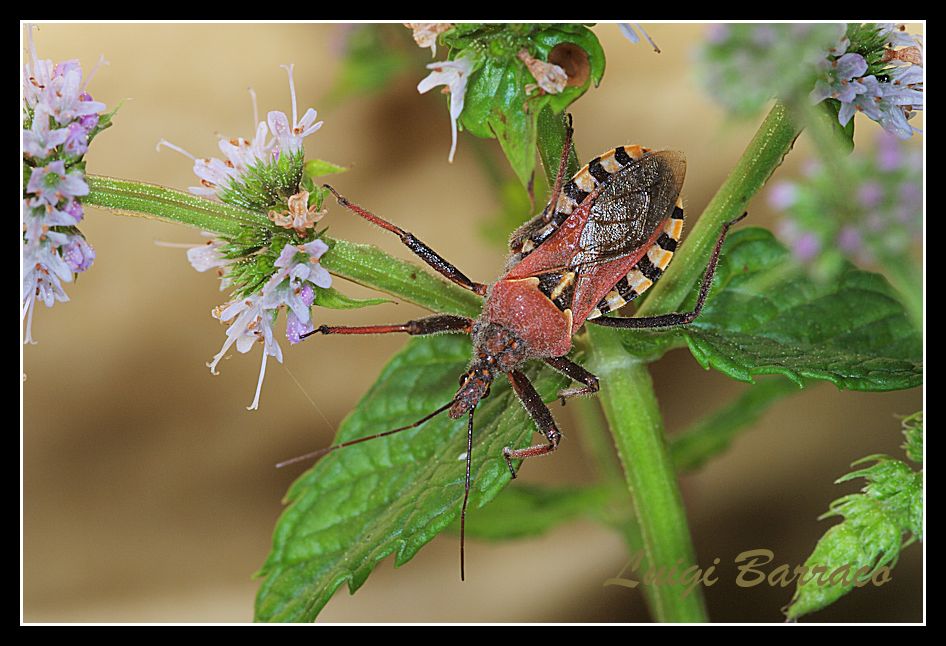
(762, 156)
(359, 263)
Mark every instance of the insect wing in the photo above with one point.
(623, 218)
(623, 224)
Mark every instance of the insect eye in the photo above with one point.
(485, 394)
(463, 378)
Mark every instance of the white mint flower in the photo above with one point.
(889, 102)
(425, 33)
(258, 174)
(299, 216)
(273, 137)
(40, 140)
(249, 323)
(628, 29)
(215, 175)
(251, 319)
(289, 138)
(207, 256)
(44, 271)
(454, 74)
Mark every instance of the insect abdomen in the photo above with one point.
(648, 269)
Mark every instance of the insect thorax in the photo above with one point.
(497, 347)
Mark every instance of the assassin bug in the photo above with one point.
(604, 238)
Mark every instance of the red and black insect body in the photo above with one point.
(604, 238)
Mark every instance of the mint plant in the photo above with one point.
(877, 524)
(766, 322)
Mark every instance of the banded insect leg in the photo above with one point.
(540, 414)
(425, 253)
(429, 325)
(676, 318)
(575, 373)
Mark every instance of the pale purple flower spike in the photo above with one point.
(63, 117)
(890, 103)
(250, 319)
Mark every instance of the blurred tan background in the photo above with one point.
(149, 492)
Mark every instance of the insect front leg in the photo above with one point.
(540, 414)
(676, 318)
(424, 252)
(576, 373)
(429, 325)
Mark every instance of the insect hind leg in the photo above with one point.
(676, 318)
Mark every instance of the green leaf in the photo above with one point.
(867, 543)
(319, 167)
(391, 495)
(522, 511)
(766, 316)
(496, 103)
(913, 432)
(529, 510)
(334, 299)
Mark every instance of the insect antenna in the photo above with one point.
(329, 449)
(466, 490)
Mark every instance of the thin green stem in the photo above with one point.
(762, 156)
(139, 199)
(359, 263)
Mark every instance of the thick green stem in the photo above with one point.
(627, 393)
(362, 264)
(633, 415)
(763, 155)
(637, 428)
